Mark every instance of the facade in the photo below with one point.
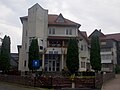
(84, 57)
(110, 52)
(53, 33)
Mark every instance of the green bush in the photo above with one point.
(117, 69)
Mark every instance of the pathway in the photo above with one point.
(113, 84)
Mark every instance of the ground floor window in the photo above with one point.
(82, 64)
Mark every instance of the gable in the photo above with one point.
(97, 33)
(60, 18)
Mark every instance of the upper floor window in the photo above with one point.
(51, 30)
(55, 43)
(106, 56)
(68, 31)
(105, 49)
(26, 33)
(81, 47)
(103, 43)
(25, 63)
(25, 45)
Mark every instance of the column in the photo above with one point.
(62, 61)
(43, 61)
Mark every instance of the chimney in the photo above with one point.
(99, 30)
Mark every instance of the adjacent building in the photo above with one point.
(53, 32)
(110, 52)
(14, 61)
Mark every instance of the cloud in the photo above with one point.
(91, 14)
(14, 33)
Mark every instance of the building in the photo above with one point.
(84, 56)
(53, 32)
(14, 61)
(110, 52)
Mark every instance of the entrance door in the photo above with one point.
(52, 65)
(52, 62)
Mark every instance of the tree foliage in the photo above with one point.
(72, 61)
(33, 53)
(95, 57)
(5, 54)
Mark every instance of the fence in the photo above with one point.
(58, 82)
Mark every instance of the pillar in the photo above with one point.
(43, 61)
(62, 61)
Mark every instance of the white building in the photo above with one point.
(108, 46)
(53, 33)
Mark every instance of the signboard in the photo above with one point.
(36, 64)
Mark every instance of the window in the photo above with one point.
(81, 47)
(105, 49)
(26, 32)
(106, 57)
(82, 64)
(51, 30)
(103, 43)
(41, 47)
(55, 43)
(68, 31)
(25, 63)
(55, 52)
(25, 45)
(50, 52)
(85, 47)
(105, 65)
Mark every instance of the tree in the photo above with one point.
(72, 61)
(5, 54)
(95, 57)
(33, 53)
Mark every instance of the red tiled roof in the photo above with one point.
(52, 21)
(83, 34)
(103, 37)
(115, 36)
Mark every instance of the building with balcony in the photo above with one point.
(53, 33)
(110, 53)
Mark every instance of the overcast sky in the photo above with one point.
(91, 14)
